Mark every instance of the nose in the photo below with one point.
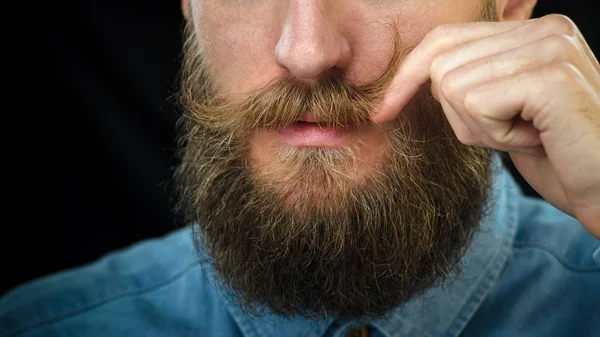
(312, 40)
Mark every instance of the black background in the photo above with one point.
(94, 135)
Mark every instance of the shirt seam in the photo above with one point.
(107, 300)
(483, 289)
(493, 272)
(575, 268)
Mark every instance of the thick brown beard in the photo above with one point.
(343, 250)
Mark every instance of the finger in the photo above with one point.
(553, 48)
(564, 108)
(414, 70)
(556, 101)
(547, 38)
(455, 85)
(469, 132)
(465, 132)
(497, 113)
(480, 40)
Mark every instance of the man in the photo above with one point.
(340, 175)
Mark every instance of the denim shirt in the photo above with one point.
(530, 271)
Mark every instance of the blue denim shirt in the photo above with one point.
(531, 271)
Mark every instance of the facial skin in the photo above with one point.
(309, 39)
(349, 229)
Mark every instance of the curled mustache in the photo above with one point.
(333, 100)
(301, 235)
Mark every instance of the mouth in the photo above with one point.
(308, 132)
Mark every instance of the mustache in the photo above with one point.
(333, 100)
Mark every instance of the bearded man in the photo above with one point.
(340, 176)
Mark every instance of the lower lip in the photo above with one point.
(304, 134)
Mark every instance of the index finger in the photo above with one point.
(414, 70)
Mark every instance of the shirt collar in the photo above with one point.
(443, 310)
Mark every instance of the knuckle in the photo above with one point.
(438, 32)
(562, 73)
(436, 68)
(467, 138)
(559, 45)
(449, 85)
(474, 105)
(438, 37)
(562, 24)
(501, 138)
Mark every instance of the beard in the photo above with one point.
(301, 235)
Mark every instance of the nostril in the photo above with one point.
(311, 50)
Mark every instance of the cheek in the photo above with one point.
(239, 40)
(238, 49)
(370, 26)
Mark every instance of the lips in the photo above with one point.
(308, 133)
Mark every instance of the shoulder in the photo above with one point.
(131, 290)
(549, 287)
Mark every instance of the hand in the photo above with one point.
(530, 88)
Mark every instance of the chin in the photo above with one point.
(317, 179)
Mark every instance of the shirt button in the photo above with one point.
(360, 331)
